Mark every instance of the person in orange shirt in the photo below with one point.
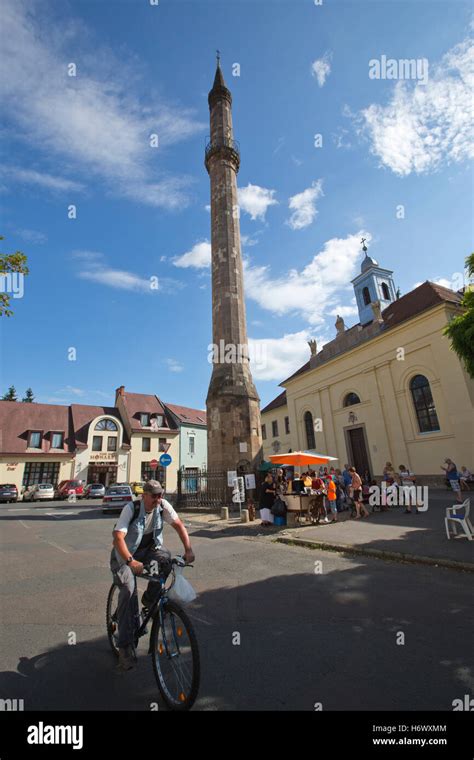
(331, 495)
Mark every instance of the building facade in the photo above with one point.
(46, 443)
(386, 390)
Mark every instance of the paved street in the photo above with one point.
(306, 637)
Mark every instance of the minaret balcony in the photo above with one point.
(226, 149)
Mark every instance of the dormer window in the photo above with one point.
(106, 425)
(145, 420)
(57, 440)
(34, 441)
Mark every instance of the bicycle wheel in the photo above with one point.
(175, 656)
(111, 619)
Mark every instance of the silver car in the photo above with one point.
(39, 492)
(94, 491)
(116, 497)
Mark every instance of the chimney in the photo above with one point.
(119, 392)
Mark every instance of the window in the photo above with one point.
(158, 474)
(162, 444)
(145, 420)
(287, 425)
(41, 472)
(309, 427)
(274, 428)
(106, 425)
(385, 291)
(191, 444)
(97, 443)
(112, 443)
(366, 296)
(57, 441)
(351, 398)
(264, 433)
(146, 444)
(35, 441)
(424, 404)
(159, 420)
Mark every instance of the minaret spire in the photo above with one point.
(234, 427)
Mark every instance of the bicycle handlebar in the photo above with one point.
(178, 560)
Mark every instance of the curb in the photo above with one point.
(416, 559)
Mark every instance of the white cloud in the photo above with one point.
(426, 126)
(31, 236)
(199, 256)
(95, 269)
(278, 358)
(174, 366)
(304, 206)
(98, 122)
(313, 291)
(455, 282)
(42, 179)
(344, 311)
(255, 200)
(321, 68)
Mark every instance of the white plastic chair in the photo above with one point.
(462, 519)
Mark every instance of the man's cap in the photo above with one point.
(153, 486)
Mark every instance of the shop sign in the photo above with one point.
(103, 457)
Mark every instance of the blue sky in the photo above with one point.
(141, 210)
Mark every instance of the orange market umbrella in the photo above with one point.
(301, 458)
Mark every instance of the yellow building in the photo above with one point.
(388, 389)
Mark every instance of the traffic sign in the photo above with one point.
(154, 464)
(165, 460)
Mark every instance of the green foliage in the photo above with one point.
(29, 397)
(10, 262)
(10, 395)
(461, 329)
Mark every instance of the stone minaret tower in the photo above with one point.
(233, 406)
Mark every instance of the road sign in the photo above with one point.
(154, 464)
(165, 460)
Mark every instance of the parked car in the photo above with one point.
(68, 488)
(137, 487)
(39, 492)
(94, 491)
(116, 497)
(8, 492)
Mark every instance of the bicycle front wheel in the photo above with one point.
(175, 656)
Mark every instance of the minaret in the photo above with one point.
(233, 406)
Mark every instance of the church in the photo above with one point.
(387, 389)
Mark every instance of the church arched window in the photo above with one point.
(366, 296)
(309, 427)
(351, 398)
(385, 291)
(424, 405)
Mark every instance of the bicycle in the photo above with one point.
(173, 643)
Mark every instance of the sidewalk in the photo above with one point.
(419, 538)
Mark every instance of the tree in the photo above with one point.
(11, 264)
(10, 395)
(461, 329)
(29, 397)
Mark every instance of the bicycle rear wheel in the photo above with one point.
(175, 657)
(111, 619)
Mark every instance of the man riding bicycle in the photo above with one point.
(138, 540)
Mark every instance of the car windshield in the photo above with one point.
(45, 485)
(96, 485)
(118, 491)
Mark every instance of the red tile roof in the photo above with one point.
(82, 416)
(137, 403)
(18, 418)
(187, 415)
(276, 403)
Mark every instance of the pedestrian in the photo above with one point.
(356, 486)
(407, 481)
(267, 497)
(452, 476)
(347, 478)
(332, 498)
(465, 478)
(389, 474)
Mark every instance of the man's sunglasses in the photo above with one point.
(156, 495)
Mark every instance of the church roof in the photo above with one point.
(276, 403)
(367, 263)
(425, 296)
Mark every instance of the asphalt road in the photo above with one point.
(306, 637)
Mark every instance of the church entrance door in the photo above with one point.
(357, 450)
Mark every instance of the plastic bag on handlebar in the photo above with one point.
(181, 590)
